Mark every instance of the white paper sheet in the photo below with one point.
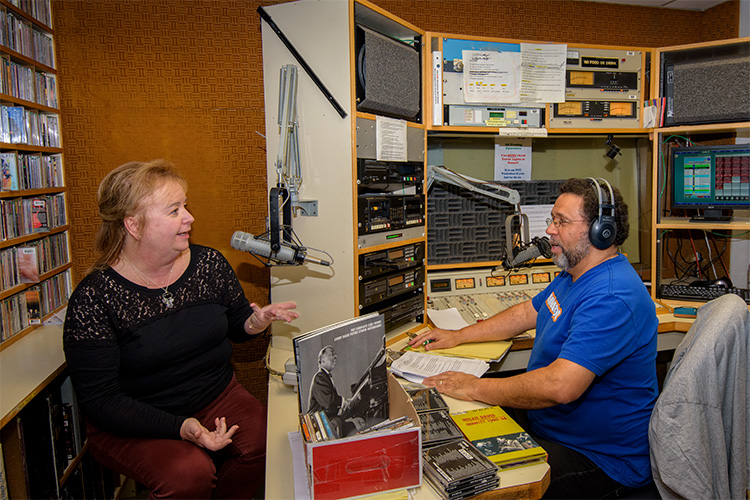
(543, 72)
(301, 487)
(491, 76)
(513, 159)
(447, 319)
(537, 215)
(390, 139)
(416, 366)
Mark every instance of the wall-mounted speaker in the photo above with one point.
(388, 75)
(706, 84)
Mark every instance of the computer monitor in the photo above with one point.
(710, 179)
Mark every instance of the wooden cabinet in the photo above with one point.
(369, 197)
(34, 242)
(687, 251)
(604, 91)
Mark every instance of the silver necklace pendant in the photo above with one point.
(167, 298)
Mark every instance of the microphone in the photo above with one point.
(287, 254)
(537, 247)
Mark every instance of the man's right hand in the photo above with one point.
(436, 339)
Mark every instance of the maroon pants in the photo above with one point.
(172, 468)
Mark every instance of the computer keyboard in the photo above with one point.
(701, 293)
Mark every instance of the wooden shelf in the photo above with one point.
(28, 148)
(26, 193)
(704, 129)
(28, 104)
(27, 366)
(23, 286)
(738, 223)
(33, 236)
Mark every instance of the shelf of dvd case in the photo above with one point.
(27, 84)
(38, 12)
(30, 171)
(25, 266)
(24, 311)
(31, 127)
(31, 237)
(26, 36)
(50, 104)
(24, 216)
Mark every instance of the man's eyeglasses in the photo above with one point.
(561, 222)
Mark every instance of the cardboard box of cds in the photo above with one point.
(369, 463)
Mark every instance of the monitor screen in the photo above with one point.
(711, 178)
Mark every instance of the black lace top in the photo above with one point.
(140, 368)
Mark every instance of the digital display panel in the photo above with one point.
(441, 285)
(396, 280)
(621, 109)
(495, 281)
(396, 254)
(582, 78)
(519, 279)
(711, 177)
(464, 283)
(540, 278)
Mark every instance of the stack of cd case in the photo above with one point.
(428, 399)
(458, 470)
(437, 425)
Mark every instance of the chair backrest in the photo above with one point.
(698, 432)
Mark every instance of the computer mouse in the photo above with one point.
(722, 283)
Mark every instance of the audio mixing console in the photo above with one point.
(478, 295)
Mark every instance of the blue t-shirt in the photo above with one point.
(605, 322)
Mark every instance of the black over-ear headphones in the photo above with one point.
(603, 229)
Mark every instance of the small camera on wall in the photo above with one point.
(614, 149)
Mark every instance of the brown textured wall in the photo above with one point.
(570, 21)
(182, 80)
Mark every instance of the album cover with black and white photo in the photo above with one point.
(341, 371)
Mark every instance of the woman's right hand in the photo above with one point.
(192, 430)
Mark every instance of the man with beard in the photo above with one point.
(590, 385)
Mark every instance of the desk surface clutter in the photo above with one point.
(526, 482)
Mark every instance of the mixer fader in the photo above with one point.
(477, 295)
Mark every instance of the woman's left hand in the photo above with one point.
(192, 430)
(264, 316)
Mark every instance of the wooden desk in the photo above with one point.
(671, 331)
(526, 483)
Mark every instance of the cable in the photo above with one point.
(697, 261)
(323, 252)
(710, 256)
(721, 255)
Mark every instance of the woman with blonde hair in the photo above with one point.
(147, 342)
